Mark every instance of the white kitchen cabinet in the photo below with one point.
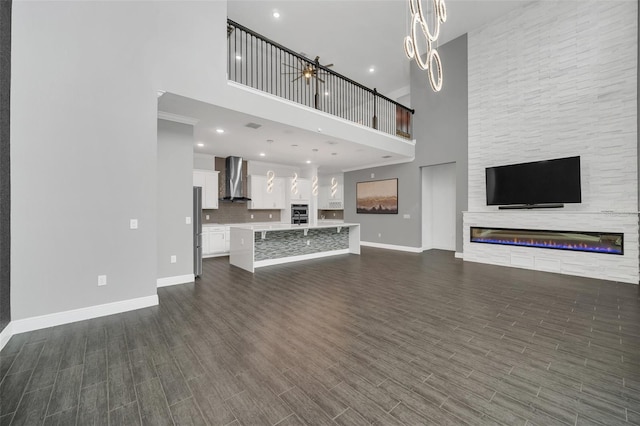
(275, 198)
(208, 181)
(215, 240)
(260, 198)
(257, 187)
(304, 190)
(327, 201)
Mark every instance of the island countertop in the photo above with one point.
(290, 227)
(257, 245)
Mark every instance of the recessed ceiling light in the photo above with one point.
(386, 156)
(294, 144)
(220, 131)
(200, 144)
(276, 14)
(315, 150)
(262, 154)
(319, 129)
(372, 69)
(308, 161)
(334, 153)
(238, 57)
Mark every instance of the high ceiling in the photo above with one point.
(355, 35)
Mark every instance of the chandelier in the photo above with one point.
(432, 62)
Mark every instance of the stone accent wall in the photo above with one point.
(281, 244)
(553, 80)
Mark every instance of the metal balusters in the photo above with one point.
(268, 66)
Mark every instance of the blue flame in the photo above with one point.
(550, 245)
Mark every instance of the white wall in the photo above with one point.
(204, 161)
(84, 143)
(558, 85)
(175, 200)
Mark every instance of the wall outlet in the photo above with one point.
(133, 224)
(406, 216)
(270, 216)
(102, 280)
(251, 216)
(334, 215)
(174, 258)
(187, 220)
(308, 242)
(373, 175)
(379, 235)
(207, 217)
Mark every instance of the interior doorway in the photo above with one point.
(439, 207)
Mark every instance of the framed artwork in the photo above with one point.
(377, 197)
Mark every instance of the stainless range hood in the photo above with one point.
(233, 181)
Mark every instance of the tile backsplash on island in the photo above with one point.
(238, 213)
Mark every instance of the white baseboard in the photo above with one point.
(459, 255)
(391, 247)
(5, 335)
(270, 262)
(59, 318)
(178, 279)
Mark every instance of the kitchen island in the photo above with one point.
(254, 246)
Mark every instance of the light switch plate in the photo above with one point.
(133, 224)
(174, 258)
(207, 217)
(406, 216)
(102, 280)
(187, 220)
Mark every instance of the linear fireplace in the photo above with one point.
(595, 242)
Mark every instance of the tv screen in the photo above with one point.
(539, 182)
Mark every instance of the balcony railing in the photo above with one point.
(262, 64)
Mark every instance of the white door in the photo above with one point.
(439, 207)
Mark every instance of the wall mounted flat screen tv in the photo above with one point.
(537, 183)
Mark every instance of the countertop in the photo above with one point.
(321, 223)
(288, 226)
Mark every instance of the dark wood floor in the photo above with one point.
(383, 338)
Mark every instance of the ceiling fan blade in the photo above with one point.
(321, 80)
(328, 65)
(296, 78)
(290, 66)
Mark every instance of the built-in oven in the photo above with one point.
(299, 214)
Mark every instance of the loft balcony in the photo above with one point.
(264, 65)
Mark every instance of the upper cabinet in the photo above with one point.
(331, 193)
(298, 190)
(208, 181)
(261, 197)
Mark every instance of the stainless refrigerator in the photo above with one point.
(197, 231)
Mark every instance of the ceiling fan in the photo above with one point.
(307, 70)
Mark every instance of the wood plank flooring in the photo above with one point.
(386, 338)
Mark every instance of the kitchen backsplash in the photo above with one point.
(238, 213)
(331, 214)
